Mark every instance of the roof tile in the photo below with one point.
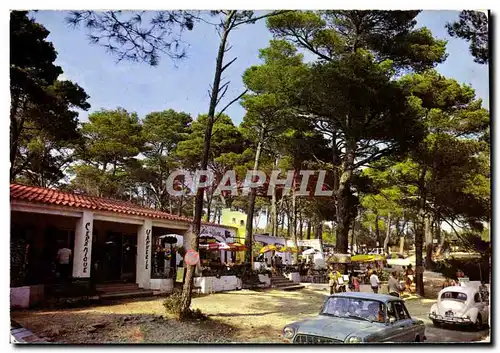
(53, 196)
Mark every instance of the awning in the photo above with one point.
(398, 262)
(215, 246)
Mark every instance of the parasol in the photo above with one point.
(367, 258)
(340, 258)
(237, 247)
(268, 248)
(309, 252)
(290, 249)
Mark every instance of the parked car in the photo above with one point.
(355, 317)
(462, 305)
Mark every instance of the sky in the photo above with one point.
(183, 85)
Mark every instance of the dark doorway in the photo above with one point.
(116, 257)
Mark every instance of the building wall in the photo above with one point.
(236, 219)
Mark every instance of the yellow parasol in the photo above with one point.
(237, 247)
(290, 249)
(268, 248)
(367, 258)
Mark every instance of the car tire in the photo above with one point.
(417, 339)
(436, 323)
(478, 325)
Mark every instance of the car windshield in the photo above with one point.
(359, 309)
(458, 296)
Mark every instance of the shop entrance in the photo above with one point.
(114, 257)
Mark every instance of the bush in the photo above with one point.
(172, 305)
(470, 268)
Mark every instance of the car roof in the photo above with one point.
(460, 289)
(369, 296)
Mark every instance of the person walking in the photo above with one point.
(355, 282)
(393, 285)
(374, 282)
(63, 262)
(334, 275)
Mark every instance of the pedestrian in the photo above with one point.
(63, 262)
(409, 277)
(374, 282)
(354, 282)
(393, 285)
(334, 276)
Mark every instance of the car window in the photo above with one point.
(391, 313)
(454, 296)
(353, 307)
(477, 298)
(400, 310)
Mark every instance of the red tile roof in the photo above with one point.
(55, 197)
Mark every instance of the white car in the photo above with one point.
(461, 305)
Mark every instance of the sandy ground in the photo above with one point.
(240, 316)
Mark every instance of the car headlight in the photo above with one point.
(353, 339)
(466, 317)
(288, 332)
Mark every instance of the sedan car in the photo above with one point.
(355, 317)
(461, 305)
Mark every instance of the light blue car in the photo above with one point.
(354, 317)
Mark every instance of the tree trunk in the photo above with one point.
(294, 223)
(428, 243)
(198, 209)
(343, 194)
(377, 229)
(274, 214)
(251, 205)
(301, 228)
(387, 234)
(308, 229)
(419, 236)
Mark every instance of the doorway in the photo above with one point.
(115, 257)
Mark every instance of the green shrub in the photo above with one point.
(172, 305)
(476, 269)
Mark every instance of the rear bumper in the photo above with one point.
(450, 319)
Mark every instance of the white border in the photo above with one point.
(186, 4)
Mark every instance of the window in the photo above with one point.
(391, 313)
(454, 296)
(242, 223)
(358, 309)
(234, 220)
(477, 298)
(400, 310)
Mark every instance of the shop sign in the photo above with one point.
(148, 243)
(86, 247)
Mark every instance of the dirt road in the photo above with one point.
(240, 316)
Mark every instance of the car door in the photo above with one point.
(406, 326)
(396, 331)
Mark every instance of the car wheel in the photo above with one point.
(417, 339)
(436, 323)
(478, 325)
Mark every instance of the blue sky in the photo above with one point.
(183, 86)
